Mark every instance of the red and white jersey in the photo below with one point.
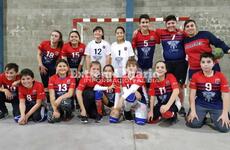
(86, 82)
(163, 89)
(98, 51)
(61, 85)
(120, 54)
(32, 94)
(49, 55)
(8, 83)
(73, 55)
(106, 83)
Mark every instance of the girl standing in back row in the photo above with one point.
(121, 51)
(98, 49)
(48, 53)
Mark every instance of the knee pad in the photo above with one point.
(140, 121)
(131, 98)
(141, 114)
(16, 118)
(98, 95)
(114, 116)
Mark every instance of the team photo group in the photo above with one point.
(120, 80)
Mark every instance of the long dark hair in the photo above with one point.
(75, 31)
(60, 41)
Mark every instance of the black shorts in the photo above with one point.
(178, 69)
(45, 78)
(14, 102)
(39, 115)
(157, 113)
(89, 102)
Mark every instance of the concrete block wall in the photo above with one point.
(28, 22)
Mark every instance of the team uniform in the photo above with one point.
(61, 86)
(49, 57)
(145, 46)
(200, 43)
(174, 53)
(120, 54)
(209, 98)
(98, 51)
(30, 96)
(112, 94)
(86, 85)
(163, 91)
(7, 84)
(129, 88)
(73, 55)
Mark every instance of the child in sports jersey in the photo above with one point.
(98, 49)
(171, 39)
(31, 96)
(144, 41)
(73, 52)
(121, 51)
(198, 42)
(209, 94)
(48, 53)
(9, 81)
(107, 90)
(86, 94)
(165, 87)
(61, 91)
(133, 96)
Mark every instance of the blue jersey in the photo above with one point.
(172, 43)
(145, 45)
(209, 89)
(200, 43)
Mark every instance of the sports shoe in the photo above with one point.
(154, 121)
(173, 120)
(168, 114)
(98, 119)
(182, 112)
(84, 119)
(128, 115)
(54, 120)
(3, 115)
